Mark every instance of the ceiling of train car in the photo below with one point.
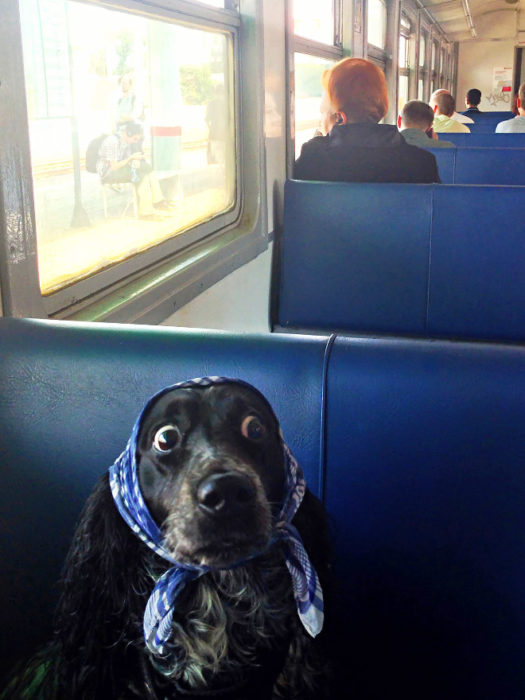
(464, 20)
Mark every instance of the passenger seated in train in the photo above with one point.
(516, 125)
(462, 118)
(472, 100)
(415, 124)
(120, 160)
(444, 106)
(356, 148)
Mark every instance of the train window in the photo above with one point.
(405, 29)
(314, 20)
(308, 90)
(157, 89)
(376, 23)
(422, 49)
(314, 46)
(422, 65)
(434, 66)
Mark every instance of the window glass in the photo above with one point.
(213, 3)
(434, 54)
(402, 92)
(376, 25)
(422, 49)
(314, 19)
(91, 71)
(420, 89)
(308, 92)
(403, 51)
(405, 25)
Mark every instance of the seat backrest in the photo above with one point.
(446, 162)
(421, 260)
(418, 445)
(354, 257)
(486, 123)
(477, 278)
(426, 484)
(480, 166)
(69, 396)
(487, 140)
(489, 166)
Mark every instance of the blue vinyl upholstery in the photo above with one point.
(419, 450)
(480, 166)
(487, 140)
(403, 260)
(426, 482)
(477, 279)
(336, 256)
(446, 162)
(486, 122)
(69, 396)
(489, 166)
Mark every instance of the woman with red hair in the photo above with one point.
(356, 148)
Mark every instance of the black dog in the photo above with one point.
(217, 480)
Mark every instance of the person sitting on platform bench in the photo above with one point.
(118, 162)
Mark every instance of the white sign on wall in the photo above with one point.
(502, 80)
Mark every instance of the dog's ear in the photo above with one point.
(98, 607)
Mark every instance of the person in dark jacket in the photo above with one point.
(357, 148)
(472, 100)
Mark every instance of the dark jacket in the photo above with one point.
(472, 110)
(365, 152)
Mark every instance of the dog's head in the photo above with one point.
(211, 469)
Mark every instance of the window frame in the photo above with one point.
(298, 44)
(149, 286)
(375, 53)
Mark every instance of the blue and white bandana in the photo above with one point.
(158, 616)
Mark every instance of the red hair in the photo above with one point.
(357, 88)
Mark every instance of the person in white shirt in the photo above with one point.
(517, 124)
(462, 118)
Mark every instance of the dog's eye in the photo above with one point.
(166, 438)
(252, 428)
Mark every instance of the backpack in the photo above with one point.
(92, 153)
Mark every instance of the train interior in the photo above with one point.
(384, 322)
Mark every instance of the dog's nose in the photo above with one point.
(225, 493)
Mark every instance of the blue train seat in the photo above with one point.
(487, 125)
(425, 472)
(416, 447)
(480, 166)
(487, 140)
(402, 259)
(69, 396)
(446, 162)
(489, 166)
(346, 264)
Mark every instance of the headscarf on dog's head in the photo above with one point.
(128, 498)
